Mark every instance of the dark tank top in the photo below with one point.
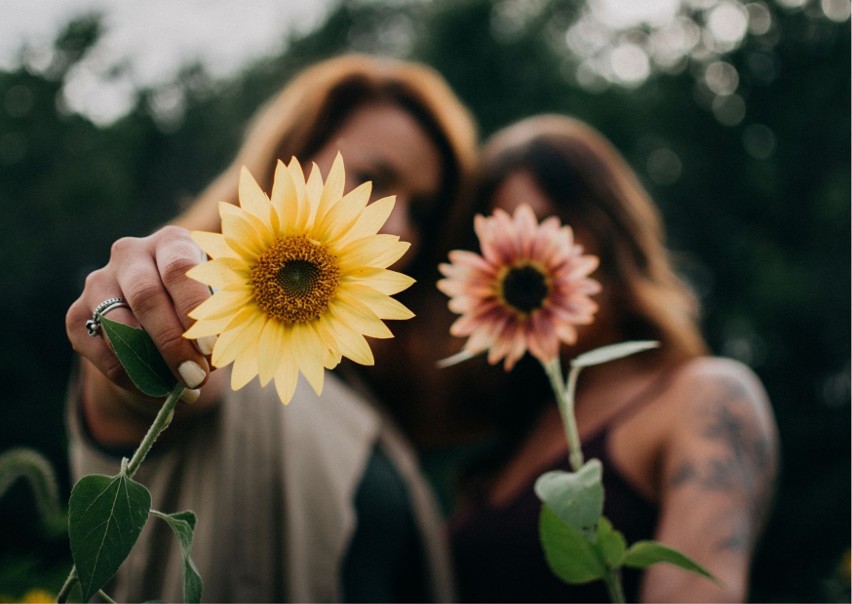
(496, 549)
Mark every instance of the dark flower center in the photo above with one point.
(297, 277)
(295, 280)
(525, 288)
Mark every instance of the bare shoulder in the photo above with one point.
(723, 439)
(710, 386)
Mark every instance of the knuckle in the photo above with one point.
(175, 267)
(72, 321)
(123, 247)
(145, 295)
(171, 231)
(94, 278)
(170, 341)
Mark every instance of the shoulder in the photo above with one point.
(721, 413)
(708, 385)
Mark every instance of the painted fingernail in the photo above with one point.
(192, 373)
(190, 395)
(205, 344)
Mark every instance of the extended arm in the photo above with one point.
(718, 472)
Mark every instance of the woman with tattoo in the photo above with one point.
(688, 441)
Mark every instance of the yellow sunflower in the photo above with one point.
(300, 277)
(528, 290)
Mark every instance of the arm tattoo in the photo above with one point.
(742, 465)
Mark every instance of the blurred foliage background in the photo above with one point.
(736, 115)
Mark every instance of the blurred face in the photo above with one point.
(520, 187)
(382, 143)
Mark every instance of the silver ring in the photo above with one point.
(93, 325)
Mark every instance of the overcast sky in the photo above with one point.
(150, 40)
(154, 38)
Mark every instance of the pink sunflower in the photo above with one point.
(528, 290)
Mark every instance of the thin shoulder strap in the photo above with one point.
(639, 401)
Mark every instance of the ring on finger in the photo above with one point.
(93, 325)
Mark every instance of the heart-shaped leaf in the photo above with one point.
(575, 497)
(571, 556)
(140, 358)
(105, 516)
(183, 525)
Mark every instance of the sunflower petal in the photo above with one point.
(211, 327)
(240, 334)
(286, 379)
(383, 305)
(360, 318)
(220, 272)
(373, 218)
(213, 244)
(244, 368)
(338, 222)
(384, 280)
(313, 189)
(352, 344)
(225, 302)
(243, 232)
(252, 198)
(274, 340)
(311, 356)
(332, 190)
(377, 251)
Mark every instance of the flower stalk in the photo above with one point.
(564, 393)
(129, 468)
(160, 423)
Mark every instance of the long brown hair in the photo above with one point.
(307, 112)
(595, 190)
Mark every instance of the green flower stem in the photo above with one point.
(65, 591)
(105, 596)
(161, 422)
(612, 578)
(565, 402)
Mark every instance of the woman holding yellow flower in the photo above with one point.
(687, 442)
(320, 500)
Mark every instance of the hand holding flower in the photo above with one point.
(300, 278)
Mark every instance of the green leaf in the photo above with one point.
(183, 525)
(571, 556)
(140, 358)
(105, 516)
(643, 554)
(611, 543)
(605, 354)
(575, 497)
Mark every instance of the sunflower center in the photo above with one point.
(295, 280)
(525, 288)
(297, 277)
